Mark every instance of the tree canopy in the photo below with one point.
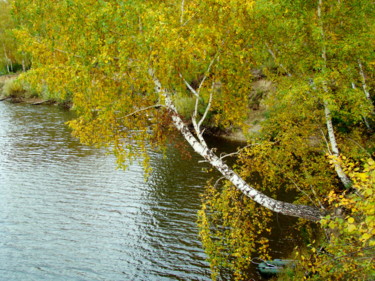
(132, 67)
(10, 59)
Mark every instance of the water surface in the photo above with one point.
(66, 213)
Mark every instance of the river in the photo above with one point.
(67, 213)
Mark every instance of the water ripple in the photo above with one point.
(66, 213)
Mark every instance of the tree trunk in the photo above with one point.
(301, 211)
(335, 150)
(327, 112)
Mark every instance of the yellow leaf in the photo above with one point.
(366, 236)
(351, 227)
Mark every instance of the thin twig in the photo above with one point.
(360, 147)
(300, 190)
(316, 197)
(224, 155)
(275, 59)
(217, 182)
(349, 254)
(208, 71)
(142, 109)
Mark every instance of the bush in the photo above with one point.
(185, 105)
(15, 88)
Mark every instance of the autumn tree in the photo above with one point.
(321, 110)
(10, 59)
(128, 64)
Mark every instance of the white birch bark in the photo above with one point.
(327, 112)
(9, 61)
(364, 86)
(301, 211)
(334, 148)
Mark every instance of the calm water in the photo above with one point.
(66, 213)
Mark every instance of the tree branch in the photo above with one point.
(142, 109)
(364, 86)
(301, 211)
(275, 59)
(207, 109)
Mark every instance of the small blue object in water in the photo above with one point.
(274, 267)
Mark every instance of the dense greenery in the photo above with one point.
(121, 62)
(10, 59)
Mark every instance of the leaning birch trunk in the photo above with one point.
(301, 211)
(327, 112)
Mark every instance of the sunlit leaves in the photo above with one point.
(351, 229)
(232, 231)
(98, 53)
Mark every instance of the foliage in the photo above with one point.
(319, 55)
(102, 50)
(229, 236)
(12, 88)
(10, 59)
(293, 152)
(348, 251)
(19, 89)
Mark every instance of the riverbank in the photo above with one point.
(14, 92)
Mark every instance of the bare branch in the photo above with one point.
(335, 150)
(275, 59)
(316, 197)
(360, 146)
(224, 155)
(217, 182)
(207, 109)
(207, 71)
(193, 16)
(326, 141)
(189, 86)
(196, 125)
(351, 254)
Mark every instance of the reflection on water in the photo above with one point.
(67, 214)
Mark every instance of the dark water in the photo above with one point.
(66, 213)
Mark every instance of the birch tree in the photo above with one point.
(127, 65)
(310, 49)
(131, 70)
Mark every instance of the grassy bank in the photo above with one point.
(15, 90)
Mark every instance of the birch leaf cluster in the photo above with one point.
(124, 65)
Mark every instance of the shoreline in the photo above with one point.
(234, 135)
